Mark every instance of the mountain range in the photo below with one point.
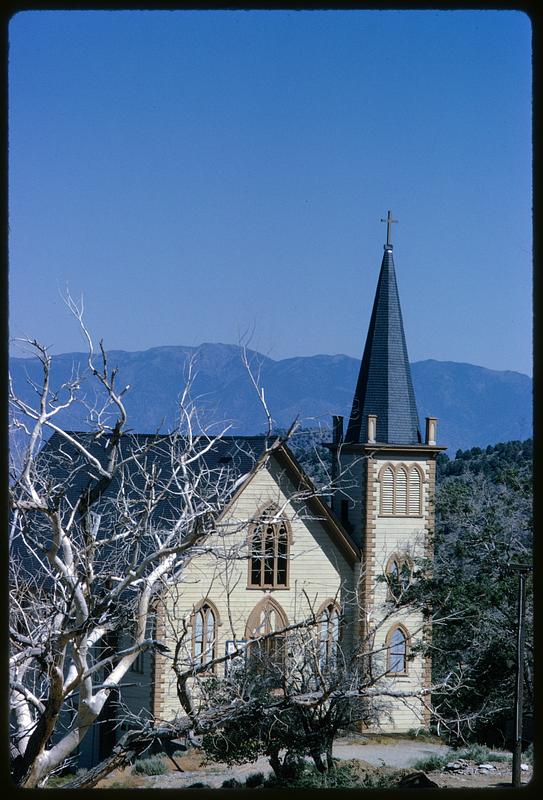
(475, 406)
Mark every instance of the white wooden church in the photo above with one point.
(378, 522)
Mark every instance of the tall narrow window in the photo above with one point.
(268, 654)
(414, 492)
(397, 651)
(400, 506)
(393, 577)
(204, 635)
(329, 636)
(268, 562)
(387, 491)
(398, 574)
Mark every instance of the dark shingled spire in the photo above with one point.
(384, 384)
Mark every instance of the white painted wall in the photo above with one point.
(318, 571)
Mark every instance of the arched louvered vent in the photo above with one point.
(401, 492)
(387, 491)
(414, 492)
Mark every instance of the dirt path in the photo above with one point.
(402, 753)
(399, 754)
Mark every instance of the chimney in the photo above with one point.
(431, 430)
(372, 428)
(337, 427)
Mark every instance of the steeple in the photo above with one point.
(384, 387)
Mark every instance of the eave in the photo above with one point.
(379, 447)
(351, 551)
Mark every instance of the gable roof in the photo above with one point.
(229, 464)
(224, 462)
(320, 508)
(384, 386)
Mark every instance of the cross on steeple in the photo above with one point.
(389, 222)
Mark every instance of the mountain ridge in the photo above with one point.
(475, 406)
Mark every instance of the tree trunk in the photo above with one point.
(275, 763)
(130, 745)
(329, 756)
(317, 758)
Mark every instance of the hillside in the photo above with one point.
(475, 406)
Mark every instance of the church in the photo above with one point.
(281, 551)
(336, 558)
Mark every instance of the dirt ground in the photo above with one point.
(369, 757)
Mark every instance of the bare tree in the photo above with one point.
(100, 522)
(291, 699)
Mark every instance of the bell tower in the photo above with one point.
(385, 477)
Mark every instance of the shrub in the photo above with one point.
(381, 781)
(231, 783)
(342, 777)
(153, 765)
(421, 733)
(528, 755)
(431, 763)
(199, 785)
(254, 780)
(480, 753)
(55, 781)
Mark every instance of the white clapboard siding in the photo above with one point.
(318, 572)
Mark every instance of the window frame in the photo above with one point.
(265, 606)
(409, 471)
(197, 660)
(260, 528)
(331, 608)
(401, 561)
(389, 654)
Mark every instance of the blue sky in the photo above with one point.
(197, 175)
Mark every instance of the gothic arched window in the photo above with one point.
(267, 654)
(204, 622)
(397, 644)
(399, 572)
(329, 619)
(401, 491)
(269, 550)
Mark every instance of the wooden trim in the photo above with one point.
(284, 455)
(400, 559)
(158, 671)
(323, 608)
(429, 554)
(268, 509)
(396, 468)
(337, 531)
(397, 626)
(368, 561)
(381, 447)
(330, 601)
(206, 602)
(254, 616)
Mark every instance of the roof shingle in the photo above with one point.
(384, 384)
